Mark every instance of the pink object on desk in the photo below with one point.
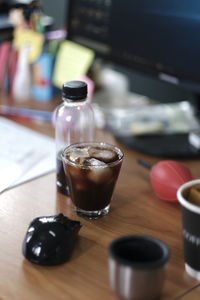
(4, 56)
(167, 176)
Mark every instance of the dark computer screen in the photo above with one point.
(160, 37)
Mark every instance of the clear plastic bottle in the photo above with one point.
(74, 122)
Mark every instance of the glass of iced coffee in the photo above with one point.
(92, 170)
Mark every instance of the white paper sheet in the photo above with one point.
(24, 154)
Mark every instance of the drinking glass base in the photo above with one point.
(92, 214)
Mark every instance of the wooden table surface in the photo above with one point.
(134, 210)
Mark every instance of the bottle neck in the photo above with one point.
(70, 102)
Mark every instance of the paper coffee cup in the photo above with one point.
(190, 230)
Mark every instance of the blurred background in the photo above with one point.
(139, 83)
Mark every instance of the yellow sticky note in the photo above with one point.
(31, 38)
(72, 62)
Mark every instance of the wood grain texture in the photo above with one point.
(134, 210)
(193, 294)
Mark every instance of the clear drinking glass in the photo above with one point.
(92, 170)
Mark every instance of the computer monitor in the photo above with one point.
(157, 38)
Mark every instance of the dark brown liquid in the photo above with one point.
(61, 180)
(91, 188)
(89, 195)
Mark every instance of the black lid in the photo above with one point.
(74, 90)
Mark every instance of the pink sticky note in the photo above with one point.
(90, 84)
